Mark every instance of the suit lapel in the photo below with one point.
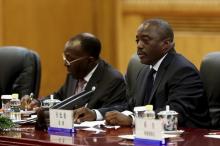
(94, 81)
(141, 87)
(71, 86)
(96, 77)
(161, 73)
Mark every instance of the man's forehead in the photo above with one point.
(73, 44)
(144, 27)
(147, 29)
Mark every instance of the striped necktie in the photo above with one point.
(80, 86)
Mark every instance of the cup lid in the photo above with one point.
(149, 107)
(140, 108)
(6, 97)
(15, 96)
(168, 111)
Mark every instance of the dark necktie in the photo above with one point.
(80, 86)
(149, 85)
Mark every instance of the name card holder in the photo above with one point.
(148, 131)
(61, 121)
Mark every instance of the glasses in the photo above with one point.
(68, 63)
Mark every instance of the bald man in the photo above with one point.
(86, 70)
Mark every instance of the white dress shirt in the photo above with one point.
(87, 78)
(89, 75)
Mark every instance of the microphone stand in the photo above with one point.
(67, 100)
(79, 97)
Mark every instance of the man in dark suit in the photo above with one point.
(167, 79)
(86, 70)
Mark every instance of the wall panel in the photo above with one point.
(1, 22)
(196, 25)
(44, 26)
(196, 45)
(105, 27)
(130, 24)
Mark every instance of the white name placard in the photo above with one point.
(148, 129)
(61, 118)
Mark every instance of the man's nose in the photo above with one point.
(140, 44)
(66, 64)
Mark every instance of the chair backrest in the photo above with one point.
(37, 76)
(210, 74)
(20, 71)
(134, 66)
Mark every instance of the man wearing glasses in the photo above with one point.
(87, 70)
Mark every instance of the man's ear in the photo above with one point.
(91, 59)
(167, 45)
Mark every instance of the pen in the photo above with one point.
(82, 114)
(30, 97)
(86, 105)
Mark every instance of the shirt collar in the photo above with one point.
(89, 75)
(157, 65)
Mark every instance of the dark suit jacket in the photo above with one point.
(177, 84)
(109, 83)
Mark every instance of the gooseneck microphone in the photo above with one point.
(74, 98)
(67, 100)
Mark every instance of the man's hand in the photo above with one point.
(34, 105)
(28, 103)
(83, 114)
(117, 118)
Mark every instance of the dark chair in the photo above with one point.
(20, 71)
(134, 66)
(210, 74)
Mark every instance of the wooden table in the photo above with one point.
(28, 136)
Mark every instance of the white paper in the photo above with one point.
(89, 124)
(213, 136)
(132, 136)
(93, 129)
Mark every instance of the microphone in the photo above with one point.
(74, 98)
(67, 100)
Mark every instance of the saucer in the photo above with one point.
(28, 112)
(32, 119)
(177, 132)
